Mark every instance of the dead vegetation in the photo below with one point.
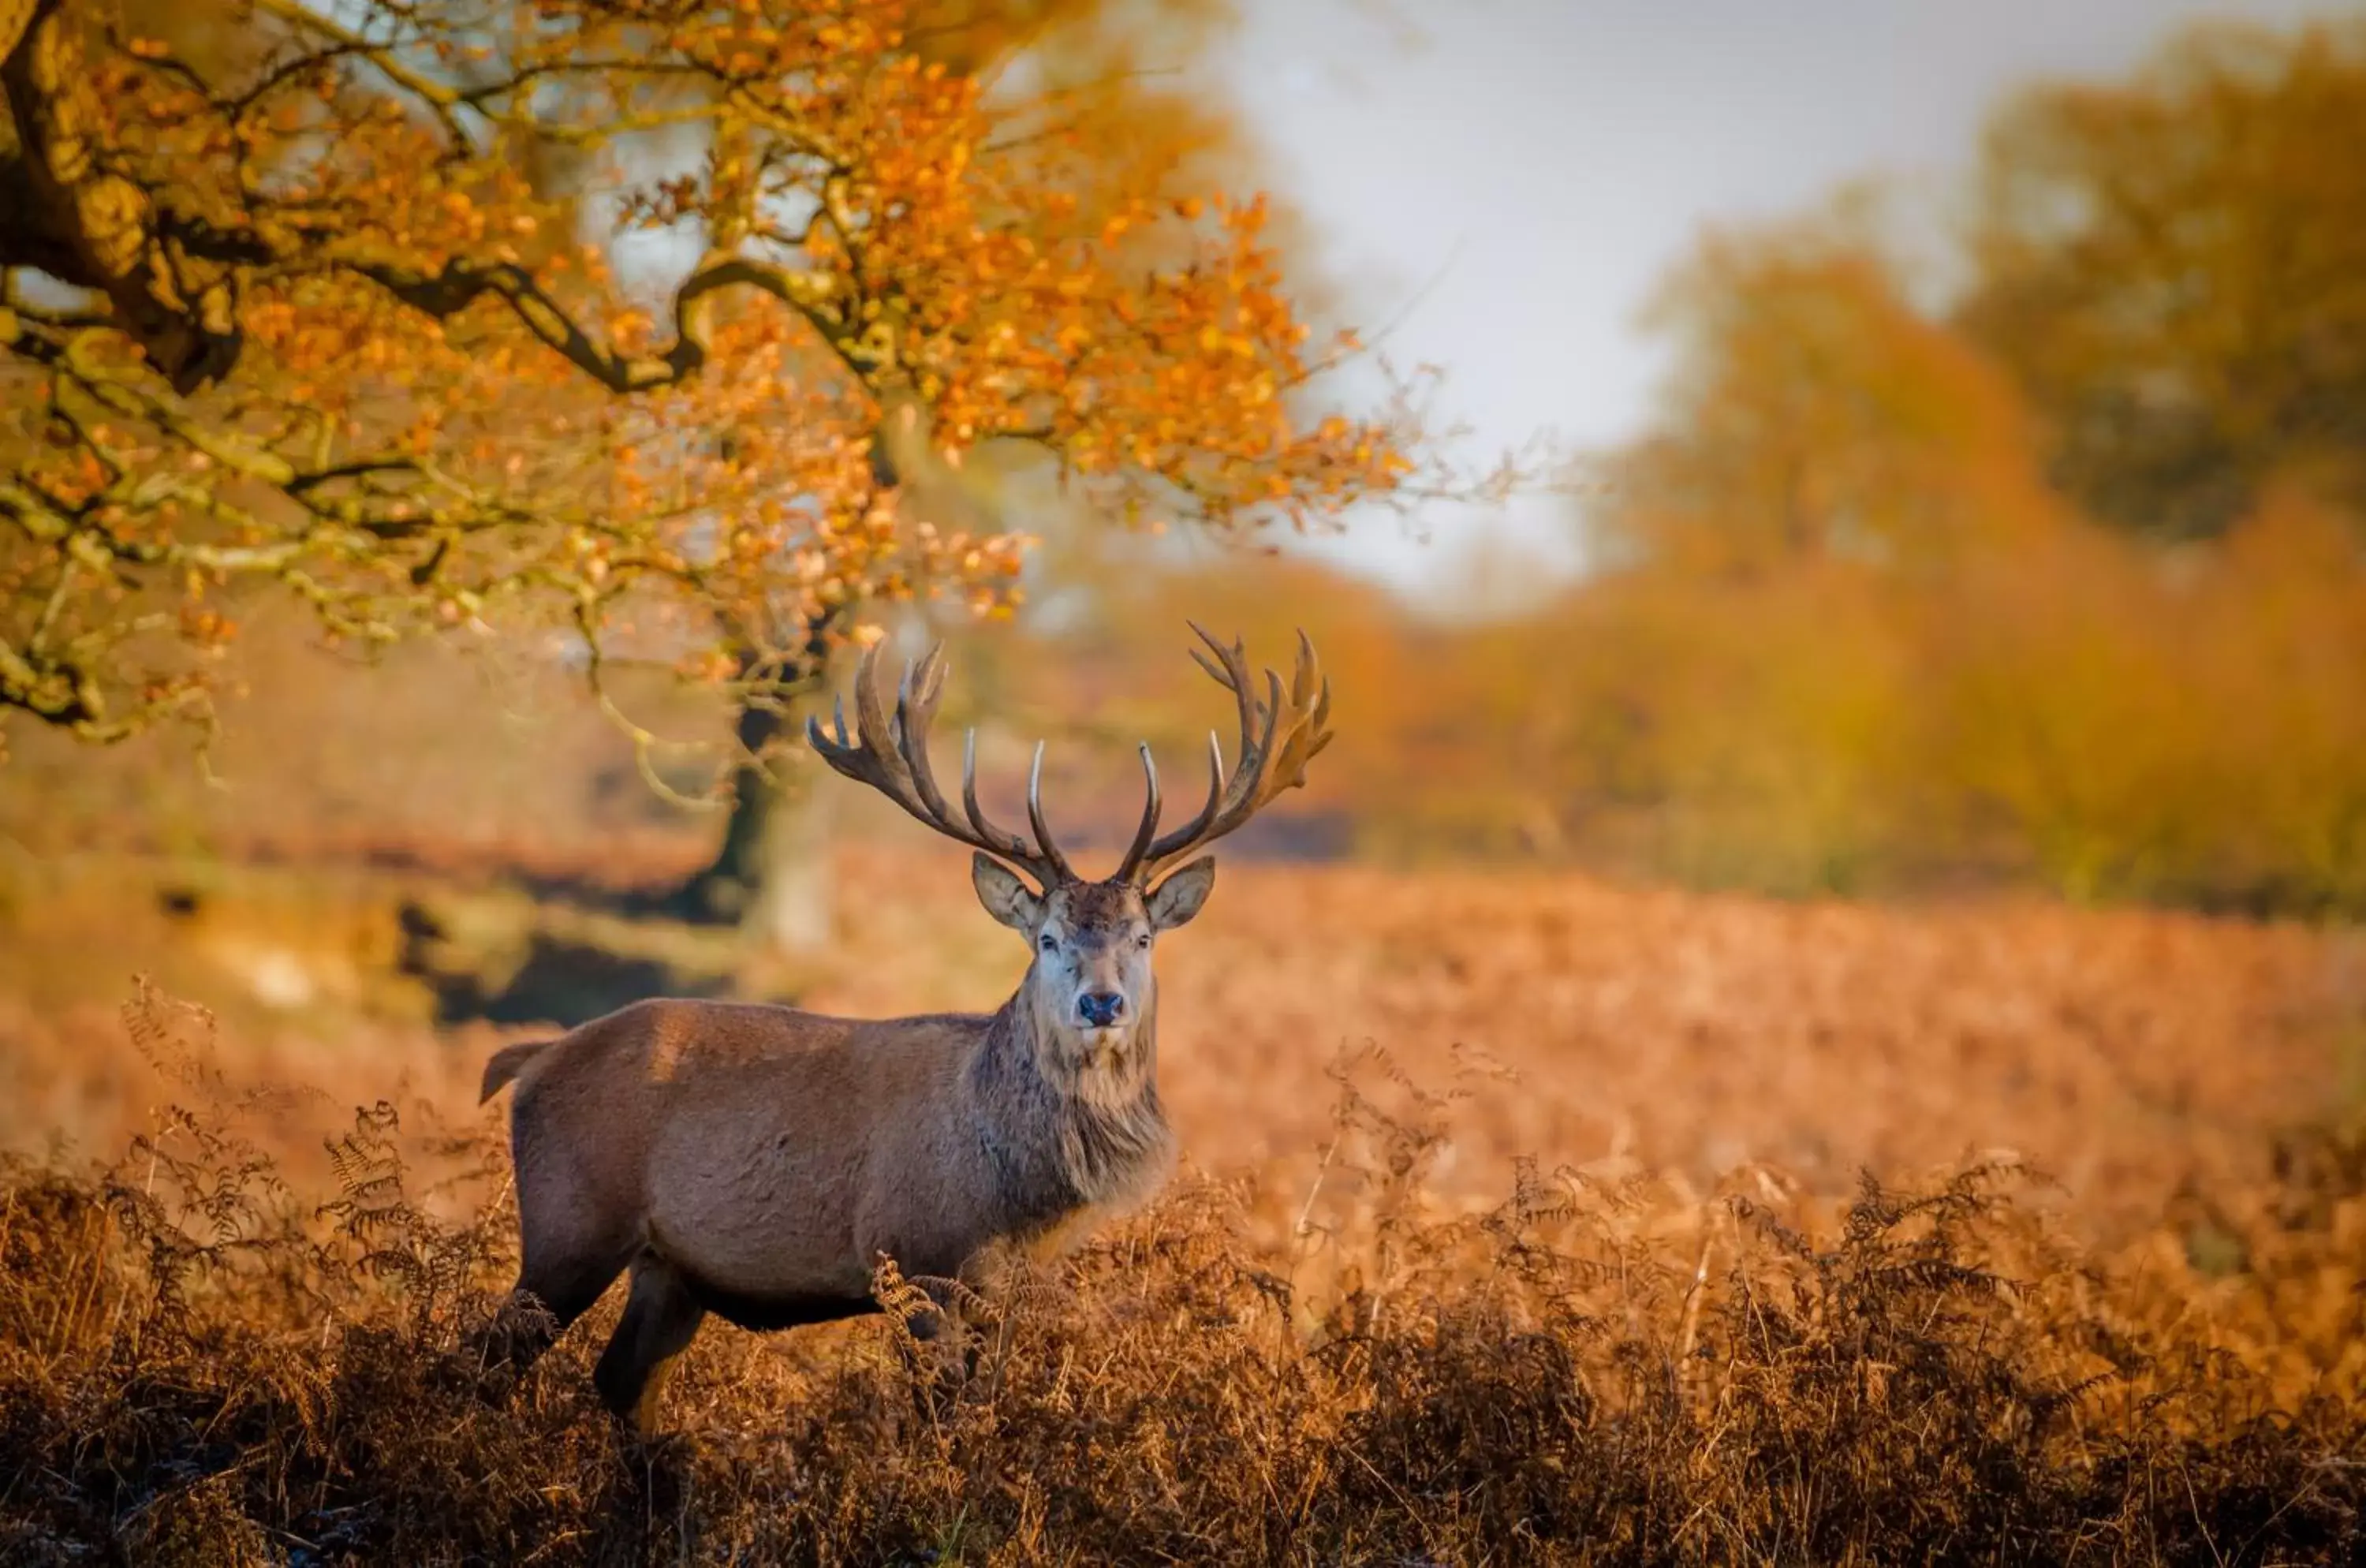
(203, 1358)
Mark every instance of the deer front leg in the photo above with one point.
(937, 1350)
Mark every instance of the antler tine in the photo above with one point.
(1233, 660)
(1256, 753)
(914, 710)
(1279, 734)
(1215, 784)
(867, 756)
(891, 755)
(871, 719)
(1149, 826)
(1043, 841)
(840, 750)
(1232, 672)
(1144, 857)
(1309, 736)
(992, 839)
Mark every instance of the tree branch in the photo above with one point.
(459, 285)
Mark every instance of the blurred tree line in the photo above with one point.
(2058, 579)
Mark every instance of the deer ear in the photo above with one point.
(1006, 897)
(1177, 898)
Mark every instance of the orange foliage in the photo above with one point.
(352, 336)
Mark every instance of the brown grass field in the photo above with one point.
(1525, 1218)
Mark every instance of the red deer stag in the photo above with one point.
(755, 1161)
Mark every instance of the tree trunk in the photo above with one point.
(772, 871)
(795, 908)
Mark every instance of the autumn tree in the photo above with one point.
(1875, 623)
(1814, 415)
(2174, 265)
(642, 317)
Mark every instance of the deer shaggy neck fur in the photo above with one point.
(1084, 1133)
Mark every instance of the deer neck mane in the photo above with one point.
(1060, 1138)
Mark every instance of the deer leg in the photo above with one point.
(570, 1251)
(556, 1284)
(660, 1319)
(936, 1335)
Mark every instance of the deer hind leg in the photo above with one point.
(660, 1319)
(571, 1246)
(563, 1275)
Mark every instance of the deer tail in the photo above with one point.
(507, 1062)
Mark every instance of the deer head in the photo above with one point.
(1089, 985)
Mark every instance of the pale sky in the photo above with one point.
(1523, 174)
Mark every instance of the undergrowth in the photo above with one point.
(200, 1365)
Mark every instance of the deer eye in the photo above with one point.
(1142, 941)
(1048, 942)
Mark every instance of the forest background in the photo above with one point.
(2034, 564)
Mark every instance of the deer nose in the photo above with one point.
(1101, 1009)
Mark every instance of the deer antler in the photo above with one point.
(1279, 736)
(892, 757)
